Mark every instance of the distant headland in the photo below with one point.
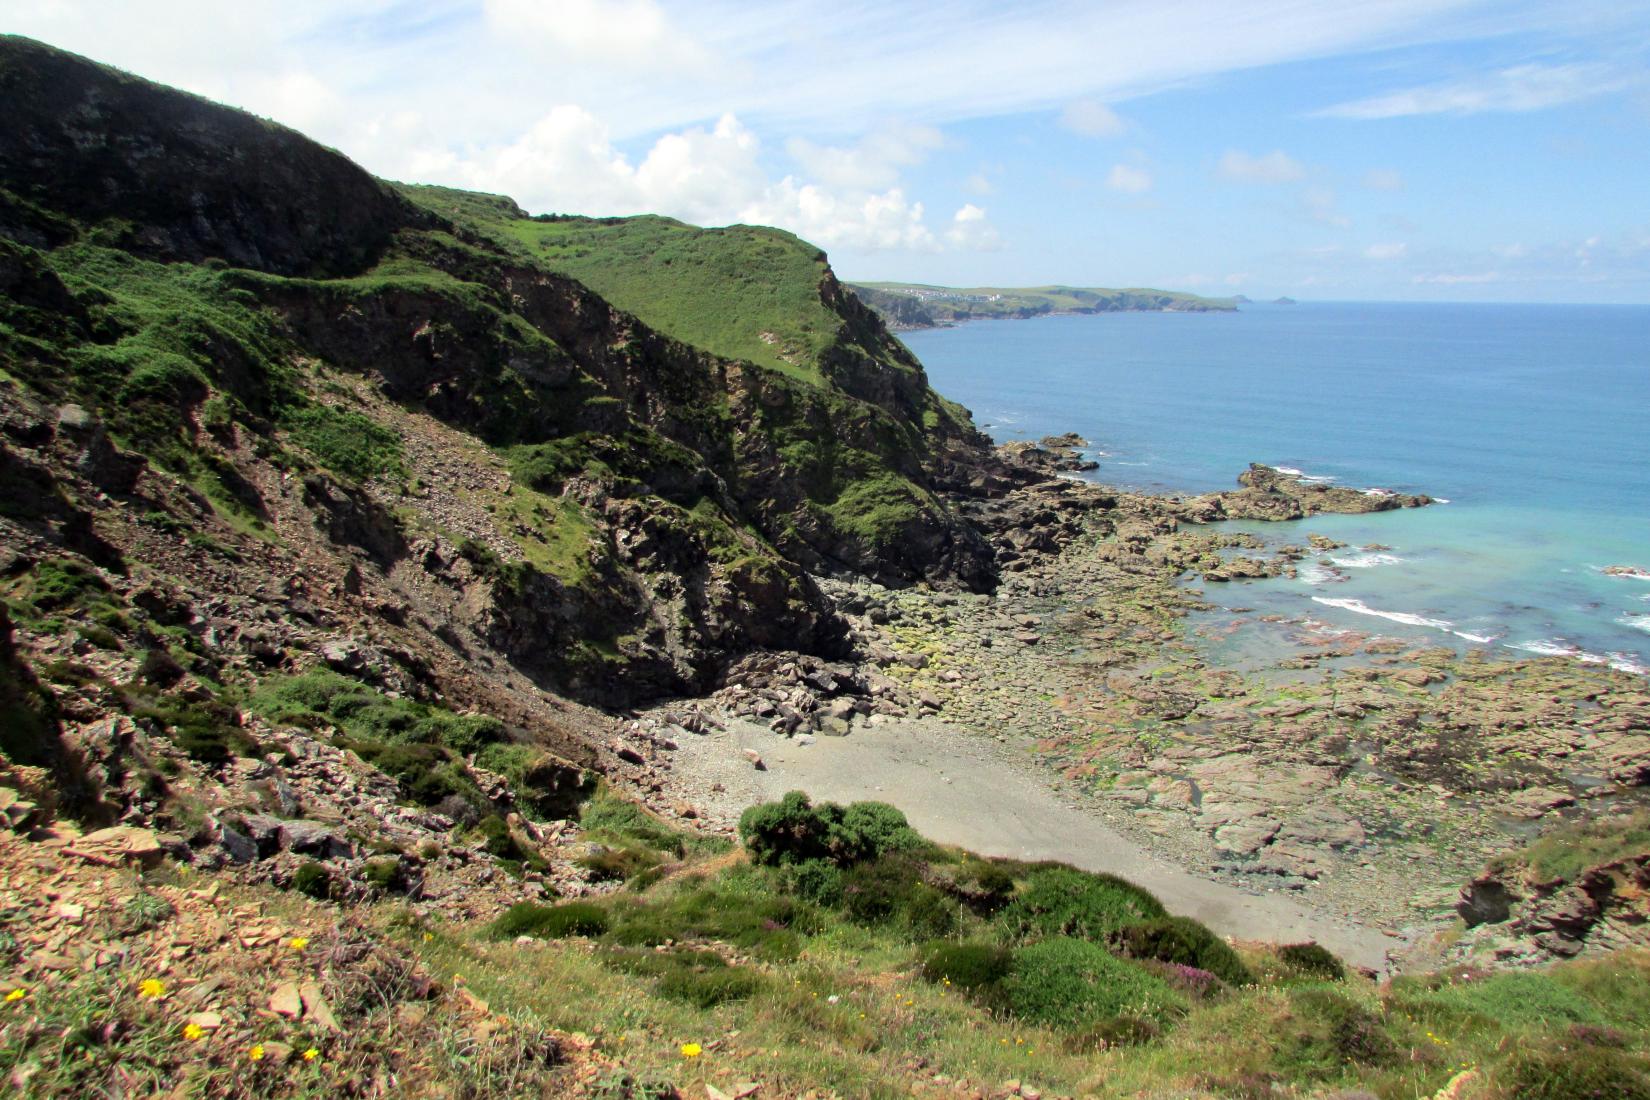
(917, 305)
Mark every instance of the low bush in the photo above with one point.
(699, 978)
(608, 814)
(1119, 1031)
(978, 969)
(815, 880)
(1186, 942)
(1527, 997)
(1068, 982)
(1574, 1072)
(1327, 1033)
(794, 830)
(387, 874)
(1063, 901)
(1312, 960)
(617, 864)
(499, 843)
(313, 880)
(550, 922)
(891, 891)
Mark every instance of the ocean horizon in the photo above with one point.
(1527, 422)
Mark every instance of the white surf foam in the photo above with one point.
(1302, 475)
(1366, 561)
(1481, 639)
(1395, 616)
(1637, 622)
(1621, 662)
(1622, 576)
(1548, 648)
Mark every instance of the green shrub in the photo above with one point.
(346, 441)
(60, 583)
(313, 880)
(617, 864)
(620, 818)
(208, 730)
(815, 880)
(1312, 959)
(793, 830)
(1327, 1032)
(890, 890)
(1071, 983)
(699, 978)
(1186, 942)
(982, 885)
(1528, 997)
(978, 969)
(1119, 1031)
(1574, 1072)
(386, 874)
(1063, 901)
(499, 843)
(550, 922)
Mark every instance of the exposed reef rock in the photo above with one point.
(1270, 494)
(1579, 890)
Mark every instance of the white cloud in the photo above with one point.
(970, 230)
(1386, 251)
(1456, 279)
(1128, 179)
(1519, 88)
(632, 33)
(1238, 278)
(1320, 204)
(979, 184)
(1383, 179)
(875, 161)
(567, 163)
(1091, 118)
(1274, 167)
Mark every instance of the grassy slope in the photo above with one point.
(804, 996)
(744, 292)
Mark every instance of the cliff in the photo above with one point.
(219, 326)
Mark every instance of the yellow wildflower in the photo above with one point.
(692, 1050)
(152, 989)
(311, 1054)
(298, 943)
(16, 995)
(256, 1053)
(194, 1032)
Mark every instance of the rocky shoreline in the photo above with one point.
(1366, 773)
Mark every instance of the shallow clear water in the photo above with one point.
(1532, 421)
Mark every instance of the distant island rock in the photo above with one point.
(916, 306)
(1633, 571)
(1284, 302)
(1270, 494)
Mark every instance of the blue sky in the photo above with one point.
(1382, 149)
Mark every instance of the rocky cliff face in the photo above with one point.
(232, 356)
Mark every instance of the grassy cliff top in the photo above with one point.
(743, 292)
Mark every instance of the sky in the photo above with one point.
(1322, 149)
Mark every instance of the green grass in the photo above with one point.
(1570, 850)
(743, 292)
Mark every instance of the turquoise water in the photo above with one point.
(1533, 422)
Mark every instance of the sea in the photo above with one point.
(1530, 424)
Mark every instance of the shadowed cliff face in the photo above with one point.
(191, 179)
